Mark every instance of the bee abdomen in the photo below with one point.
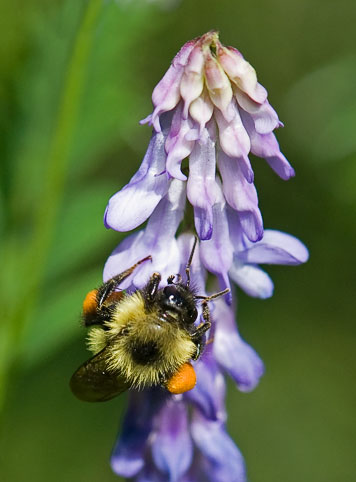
(144, 353)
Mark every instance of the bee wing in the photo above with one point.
(92, 382)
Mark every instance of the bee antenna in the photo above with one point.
(187, 269)
(212, 297)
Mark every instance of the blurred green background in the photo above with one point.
(76, 77)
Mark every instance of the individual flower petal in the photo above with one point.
(218, 84)
(234, 139)
(216, 253)
(222, 459)
(166, 94)
(125, 255)
(241, 73)
(275, 247)
(253, 280)
(192, 82)
(267, 147)
(128, 454)
(201, 110)
(157, 240)
(209, 393)
(131, 206)
(263, 115)
(201, 186)
(178, 145)
(232, 353)
(172, 447)
(241, 196)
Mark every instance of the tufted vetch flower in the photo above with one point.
(209, 114)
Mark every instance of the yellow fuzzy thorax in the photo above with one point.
(130, 323)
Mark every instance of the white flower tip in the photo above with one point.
(264, 292)
(175, 172)
(146, 120)
(303, 253)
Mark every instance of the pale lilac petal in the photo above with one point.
(253, 280)
(128, 456)
(241, 73)
(218, 84)
(172, 447)
(159, 239)
(201, 110)
(125, 255)
(232, 353)
(265, 118)
(166, 94)
(234, 139)
(216, 253)
(131, 206)
(241, 196)
(203, 221)
(222, 459)
(209, 393)
(201, 186)
(191, 85)
(238, 240)
(275, 247)
(267, 147)
(178, 145)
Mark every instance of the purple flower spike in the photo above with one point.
(131, 206)
(210, 112)
(233, 354)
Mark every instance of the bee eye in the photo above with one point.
(172, 296)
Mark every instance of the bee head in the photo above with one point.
(179, 299)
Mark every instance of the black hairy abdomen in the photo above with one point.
(144, 353)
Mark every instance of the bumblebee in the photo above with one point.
(142, 339)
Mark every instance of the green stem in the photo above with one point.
(53, 186)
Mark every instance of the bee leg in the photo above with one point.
(107, 288)
(197, 335)
(152, 287)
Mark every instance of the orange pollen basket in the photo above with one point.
(183, 380)
(90, 302)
